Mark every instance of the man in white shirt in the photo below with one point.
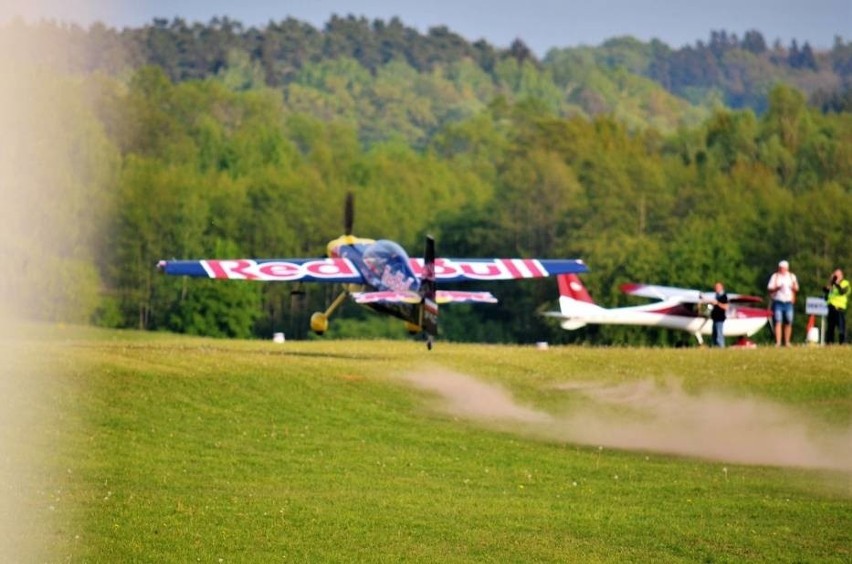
(783, 287)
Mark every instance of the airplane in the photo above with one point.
(678, 308)
(380, 275)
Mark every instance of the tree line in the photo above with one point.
(737, 71)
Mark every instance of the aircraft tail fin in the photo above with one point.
(428, 293)
(575, 302)
(571, 286)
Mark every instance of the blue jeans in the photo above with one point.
(782, 312)
(719, 334)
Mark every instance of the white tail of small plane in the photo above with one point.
(577, 309)
(575, 302)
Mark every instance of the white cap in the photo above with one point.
(784, 264)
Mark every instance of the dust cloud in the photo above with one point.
(648, 416)
(466, 397)
(30, 201)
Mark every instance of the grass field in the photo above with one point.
(160, 448)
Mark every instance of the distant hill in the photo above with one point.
(387, 77)
(741, 72)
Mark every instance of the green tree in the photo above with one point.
(216, 308)
(241, 72)
(787, 118)
(731, 137)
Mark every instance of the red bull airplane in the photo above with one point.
(677, 308)
(380, 275)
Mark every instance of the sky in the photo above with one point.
(541, 24)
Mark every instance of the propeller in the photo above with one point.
(349, 214)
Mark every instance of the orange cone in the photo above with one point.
(812, 333)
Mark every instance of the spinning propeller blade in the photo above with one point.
(349, 214)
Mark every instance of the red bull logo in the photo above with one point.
(493, 269)
(247, 269)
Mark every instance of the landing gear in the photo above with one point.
(319, 320)
(319, 323)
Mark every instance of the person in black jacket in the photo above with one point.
(718, 314)
(837, 296)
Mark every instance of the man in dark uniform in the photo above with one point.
(718, 314)
(837, 296)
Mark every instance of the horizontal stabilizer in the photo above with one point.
(575, 313)
(572, 324)
(566, 321)
(453, 296)
(442, 297)
(386, 297)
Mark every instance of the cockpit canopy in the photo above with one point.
(388, 267)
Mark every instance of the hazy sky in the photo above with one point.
(541, 24)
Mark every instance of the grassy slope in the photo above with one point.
(181, 449)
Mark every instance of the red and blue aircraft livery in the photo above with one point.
(381, 275)
(398, 274)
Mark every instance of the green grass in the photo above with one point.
(176, 449)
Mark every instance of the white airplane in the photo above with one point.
(677, 308)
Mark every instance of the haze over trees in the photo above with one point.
(184, 140)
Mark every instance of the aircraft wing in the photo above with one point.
(267, 270)
(683, 295)
(344, 271)
(493, 269)
(442, 297)
(456, 297)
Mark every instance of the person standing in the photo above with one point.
(783, 287)
(718, 314)
(837, 296)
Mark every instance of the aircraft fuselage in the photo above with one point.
(672, 315)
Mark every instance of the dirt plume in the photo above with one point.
(31, 200)
(648, 416)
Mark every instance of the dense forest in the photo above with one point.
(181, 140)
